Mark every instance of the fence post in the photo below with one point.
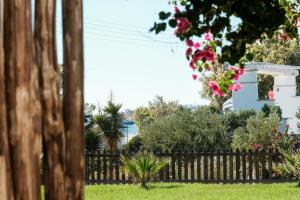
(117, 158)
(231, 154)
(205, 165)
(167, 168)
(244, 164)
(199, 165)
(224, 165)
(123, 177)
(186, 162)
(211, 160)
(111, 166)
(87, 167)
(179, 164)
(192, 166)
(250, 157)
(237, 164)
(104, 166)
(173, 165)
(270, 154)
(218, 166)
(256, 159)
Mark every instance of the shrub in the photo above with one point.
(290, 166)
(134, 145)
(143, 167)
(186, 130)
(258, 133)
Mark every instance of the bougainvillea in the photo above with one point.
(211, 21)
(203, 57)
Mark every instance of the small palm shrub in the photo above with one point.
(143, 167)
(290, 166)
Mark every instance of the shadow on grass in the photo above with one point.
(151, 187)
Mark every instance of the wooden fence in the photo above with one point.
(206, 167)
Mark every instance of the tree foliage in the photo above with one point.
(92, 132)
(110, 121)
(156, 108)
(256, 17)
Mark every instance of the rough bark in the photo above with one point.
(73, 97)
(6, 191)
(53, 129)
(22, 102)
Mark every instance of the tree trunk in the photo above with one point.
(23, 110)
(53, 129)
(73, 97)
(6, 189)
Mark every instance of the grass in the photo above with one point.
(181, 191)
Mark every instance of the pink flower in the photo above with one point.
(236, 72)
(189, 42)
(192, 65)
(215, 88)
(195, 76)
(208, 36)
(209, 54)
(189, 51)
(241, 71)
(235, 87)
(197, 45)
(176, 10)
(182, 26)
(271, 95)
(297, 24)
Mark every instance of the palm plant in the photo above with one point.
(290, 165)
(111, 124)
(143, 167)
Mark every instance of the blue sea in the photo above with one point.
(131, 128)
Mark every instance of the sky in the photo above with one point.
(123, 57)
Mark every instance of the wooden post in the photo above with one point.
(111, 165)
(104, 166)
(179, 165)
(22, 99)
(218, 166)
(250, 157)
(53, 128)
(224, 165)
(231, 153)
(173, 165)
(244, 165)
(117, 157)
(192, 165)
(270, 153)
(186, 163)
(211, 166)
(73, 97)
(167, 168)
(256, 160)
(6, 189)
(199, 165)
(237, 164)
(205, 155)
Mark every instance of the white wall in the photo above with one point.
(284, 93)
(247, 97)
(285, 97)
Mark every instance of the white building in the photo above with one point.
(284, 91)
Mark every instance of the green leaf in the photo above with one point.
(172, 23)
(163, 15)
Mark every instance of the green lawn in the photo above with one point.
(180, 191)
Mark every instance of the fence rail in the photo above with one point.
(206, 167)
